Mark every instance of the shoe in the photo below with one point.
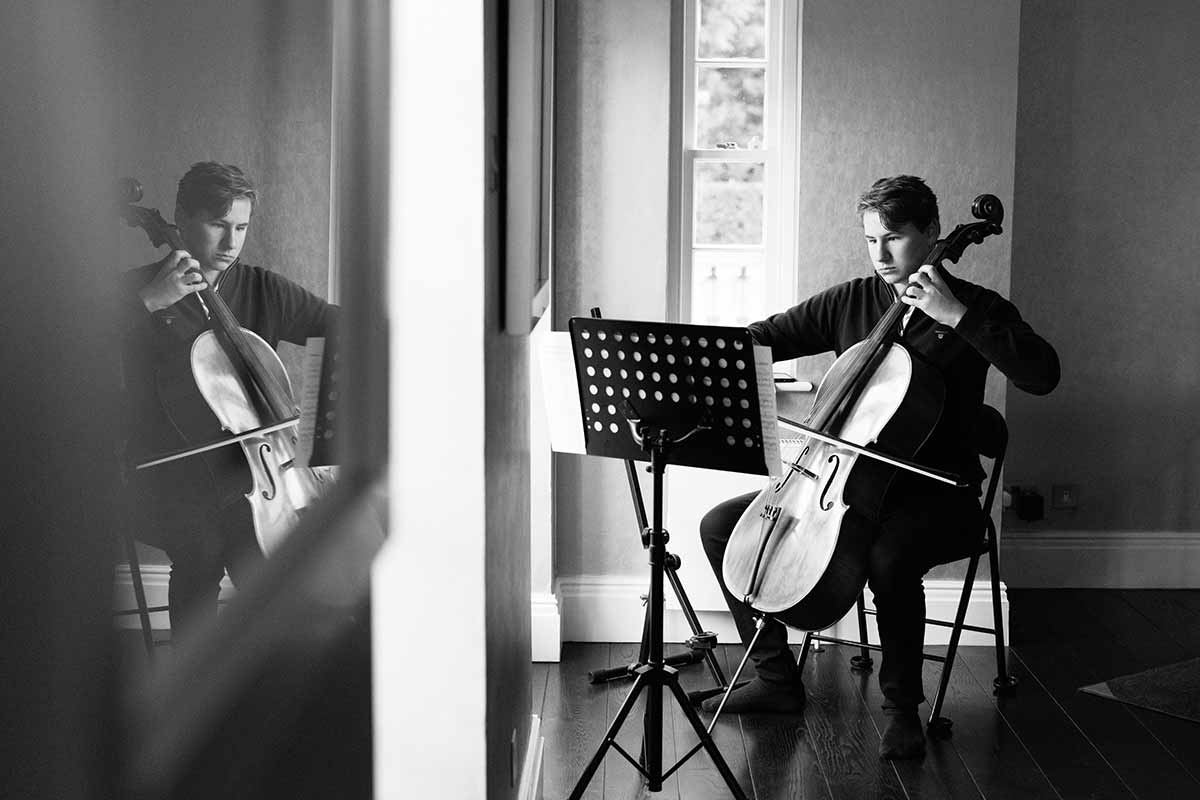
(904, 736)
(760, 697)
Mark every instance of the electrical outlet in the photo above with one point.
(1064, 495)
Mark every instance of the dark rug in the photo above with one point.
(1173, 689)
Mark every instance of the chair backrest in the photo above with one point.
(991, 440)
(991, 433)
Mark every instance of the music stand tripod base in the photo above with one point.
(700, 644)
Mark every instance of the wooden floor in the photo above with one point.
(1048, 740)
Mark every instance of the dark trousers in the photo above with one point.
(921, 526)
(203, 542)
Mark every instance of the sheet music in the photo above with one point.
(310, 394)
(764, 371)
(560, 390)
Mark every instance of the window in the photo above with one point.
(739, 134)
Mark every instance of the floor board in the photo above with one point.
(574, 719)
(1052, 738)
(842, 731)
(999, 762)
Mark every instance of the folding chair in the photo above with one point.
(991, 440)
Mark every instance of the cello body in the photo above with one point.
(815, 525)
(280, 490)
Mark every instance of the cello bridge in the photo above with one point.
(808, 473)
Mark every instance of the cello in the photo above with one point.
(799, 551)
(242, 382)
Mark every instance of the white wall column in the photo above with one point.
(544, 607)
(428, 585)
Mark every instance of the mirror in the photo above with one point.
(283, 91)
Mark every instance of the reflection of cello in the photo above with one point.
(244, 384)
(798, 552)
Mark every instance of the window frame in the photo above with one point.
(781, 127)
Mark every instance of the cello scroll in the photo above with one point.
(986, 207)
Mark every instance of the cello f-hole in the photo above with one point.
(268, 494)
(836, 461)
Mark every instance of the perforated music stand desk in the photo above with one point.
(689, 395)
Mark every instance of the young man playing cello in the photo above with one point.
(194, 508)
(961, 329)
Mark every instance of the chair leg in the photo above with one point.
(862, 661)
(139, 593)
(808, 639)
(939, 725)
(1004, 683)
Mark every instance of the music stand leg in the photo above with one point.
(610, 737)
(698, 631)
(700, 646)
(705, 736)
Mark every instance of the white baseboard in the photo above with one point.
(546, 630)
(608, 608)
(1101, 559)
(530, 785)
(155, 578)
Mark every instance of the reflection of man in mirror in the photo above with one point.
(194, 508)
(960, 330)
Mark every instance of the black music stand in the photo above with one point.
(688, 394)
(701, 643)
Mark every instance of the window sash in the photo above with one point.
(778, 156)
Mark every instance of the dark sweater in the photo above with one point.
(991, 332)
(156, 363)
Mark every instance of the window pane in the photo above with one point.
(732, 29)
(727, 288)
(729, 107)
(728, 203)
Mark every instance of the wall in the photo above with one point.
(611, 201)
(1108, 162)
(927, 88)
